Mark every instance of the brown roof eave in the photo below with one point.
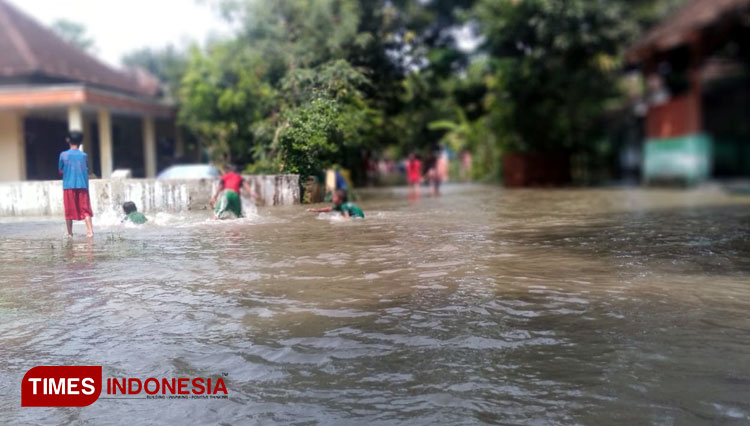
(36, 96)
(681, 26)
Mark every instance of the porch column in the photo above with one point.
(87, 144)
(75, 118)
(149, 146)
(105, 141)
(13, 147)
(76, 121)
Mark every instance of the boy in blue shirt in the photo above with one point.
(74, 168)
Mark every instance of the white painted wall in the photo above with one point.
(44, 198)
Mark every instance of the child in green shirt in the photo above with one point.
(132, 214)
(340, 204)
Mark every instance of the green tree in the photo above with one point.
(282, 93)
(554, 68)
(323, 113)
(404, 49)
(74, 33)
(167, 64)
(308, 83)
(223, 95)
(295, 34)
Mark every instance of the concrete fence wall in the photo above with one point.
(44, 198)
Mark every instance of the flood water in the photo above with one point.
(536, 307)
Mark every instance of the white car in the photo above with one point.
(190, 171)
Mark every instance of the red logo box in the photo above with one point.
(61, 386)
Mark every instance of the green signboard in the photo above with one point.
(687, 159)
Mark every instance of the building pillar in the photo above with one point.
(75, 118)
(104, 120)
(76, 122)
(149, 146)
(12, 146)
(87, 144)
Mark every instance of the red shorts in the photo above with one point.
(77, 204)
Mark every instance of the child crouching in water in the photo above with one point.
(340, 204)
(132, 214)
(228, 195)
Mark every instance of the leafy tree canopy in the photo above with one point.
(304, 84)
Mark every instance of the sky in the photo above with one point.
(121, 26)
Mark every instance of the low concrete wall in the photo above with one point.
(275, 190)
(44, 198)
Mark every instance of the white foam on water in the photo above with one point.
(331, 217)
(179, 220)
(114, 219)
(336, 217)
(249, 216)
(249, 208)
(108, 218)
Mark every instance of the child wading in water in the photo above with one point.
(229, 191)
(413, 175)
(74, 168)
(132, 214)
(340, 204)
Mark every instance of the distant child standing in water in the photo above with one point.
(437, 170)
(413, 175)
(132, 214)
(340, 204)
(228, 195)
(74, 168)
(432, 174)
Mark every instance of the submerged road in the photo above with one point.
(486, 305)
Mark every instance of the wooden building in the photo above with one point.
(696, 65)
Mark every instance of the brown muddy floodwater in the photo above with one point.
(593, 307)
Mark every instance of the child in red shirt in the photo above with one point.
(229, 191)
(413, 174)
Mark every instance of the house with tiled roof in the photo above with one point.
(49, 86)
(696, 64)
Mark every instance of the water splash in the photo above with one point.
(113, 219)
